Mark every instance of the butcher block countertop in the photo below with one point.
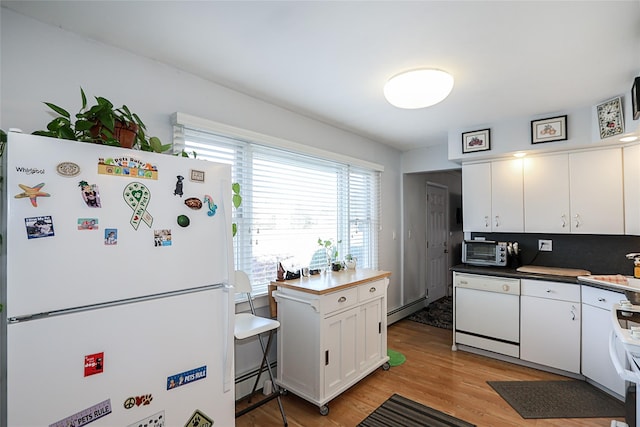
(325, 283)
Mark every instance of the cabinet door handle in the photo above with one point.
(564, 220)
(326, 357)
(573, 312)
(577, 217)
(372, 289)
(486, 221)
(497, 221)
(342, 299)
(602, 299)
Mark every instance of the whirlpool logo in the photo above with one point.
(29, 171)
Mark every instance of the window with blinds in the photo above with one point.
(289, 201)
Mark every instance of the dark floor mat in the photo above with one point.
(558, 399)
(439, 314)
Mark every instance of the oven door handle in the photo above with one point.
(625, 374)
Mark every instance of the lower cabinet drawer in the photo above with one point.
(340, 300)
(371, 290)
(550, 290)
(601, 298)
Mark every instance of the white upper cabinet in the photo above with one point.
(596, 190)
(632, 189)
(579, 192)
(493, 196)
(546, 194)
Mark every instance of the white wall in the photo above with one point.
(45, 63)
(513, 135)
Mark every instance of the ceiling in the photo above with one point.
(329, 60)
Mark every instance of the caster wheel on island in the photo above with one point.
(386, 366)
(324, 410)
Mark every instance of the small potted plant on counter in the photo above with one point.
(102, 124)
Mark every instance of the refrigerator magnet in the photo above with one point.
(39, 226)
(196, 175)
(87, 223)
(193, 203)
(90, 194)
(137, 196)
(111, 236)
(212, 206)
(183, 378)
(183, 221)
(178, 190)
(93, 364)
(198, 419)
(155, 420)
(32, 193)
(85, 416)
(143, 400)
(162, 238)
(68, 169)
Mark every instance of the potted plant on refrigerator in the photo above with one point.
(102, 124)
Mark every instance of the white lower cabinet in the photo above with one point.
(596, 329)
(328, 342)
(550, 324)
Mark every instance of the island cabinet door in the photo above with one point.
(370, 337)
(340, 350)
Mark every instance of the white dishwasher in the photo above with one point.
(487, 313)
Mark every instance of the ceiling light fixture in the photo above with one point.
(418, 88)
(628, 139)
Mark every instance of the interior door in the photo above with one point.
(437, 241)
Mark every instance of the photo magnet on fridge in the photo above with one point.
(90, 194)
(111, 236)
(93, 364)
(39, 226)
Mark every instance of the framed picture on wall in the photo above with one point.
(548, 130)
(477, 140)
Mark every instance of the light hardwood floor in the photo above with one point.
(452, 382)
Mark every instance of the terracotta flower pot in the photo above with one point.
(126, 134)
(123, 132)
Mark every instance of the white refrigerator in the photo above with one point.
(116, 287)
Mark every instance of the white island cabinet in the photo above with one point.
(333, 332)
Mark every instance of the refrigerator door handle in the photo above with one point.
(227, 376)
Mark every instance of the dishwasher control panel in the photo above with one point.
(487, 283)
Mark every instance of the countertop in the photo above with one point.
(332, 281)
(510, 272)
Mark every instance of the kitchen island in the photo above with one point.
(333, 332)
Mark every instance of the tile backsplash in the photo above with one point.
(600, 254)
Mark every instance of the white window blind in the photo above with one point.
(289, 201)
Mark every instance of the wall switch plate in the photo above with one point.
(545, 245)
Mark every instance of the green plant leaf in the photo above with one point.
(59, 110)
(234, 229)
(84, 98)
(235, 187)
(237, 200)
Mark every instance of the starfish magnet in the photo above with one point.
(32, 193)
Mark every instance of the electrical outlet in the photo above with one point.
(545, 245)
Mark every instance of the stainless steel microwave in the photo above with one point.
(484, 252)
